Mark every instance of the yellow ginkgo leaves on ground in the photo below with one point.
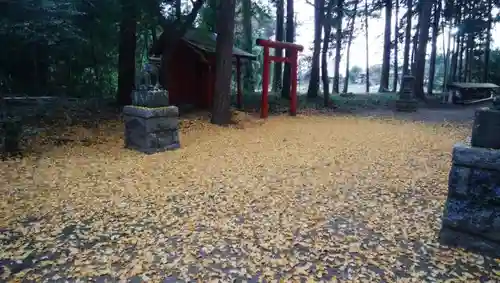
(310, 197)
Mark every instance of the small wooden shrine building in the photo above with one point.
(191, 70)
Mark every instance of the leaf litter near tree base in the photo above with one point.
(310, 197)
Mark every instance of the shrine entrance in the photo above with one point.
(292, 60)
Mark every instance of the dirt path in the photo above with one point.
(318, 198)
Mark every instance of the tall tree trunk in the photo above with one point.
(338, 45)
(349, 42)
(214, 8)
(386, 59)
(126, 56)
(324, 53)
(467, 57)
(367, 67)
(324, 66)
(396, 41)
(463, 47)
(248, 84)
(313, 89)
(424, 20)
(435, 33)
(153, 34)
(221, 113)
(454, 76)
(406, 52)
(447, 47)
(470, 57)
(290, 37)
(454, 59)
(278, 52)
(415, 46)
(461, 60)
(487, 48)
(178, 10)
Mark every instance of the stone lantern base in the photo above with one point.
(471, 217)
(406, 105)
(151, 130)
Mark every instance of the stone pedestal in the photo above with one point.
(150, 98)
(471, 218)
(406, 101)
(151, 130)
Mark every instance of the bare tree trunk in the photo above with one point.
(338, 45)
(487, 49)
(349, 42)
(447, 47)
(178, 10)
(126, 57)
(386, 59)
(424, 20)
(221, 113)
(290, 37)
(313, 89)
(214, 7)
(414, 47)
(249, 84)
(470, 57)
(435, 33)
(396, 41)
(463, 47)
(454, 76)
(153, 34)
(454, 59)
(278, 52)
(406, 51)
(324, 66)
(461, 58)
(324, 53)
(367, 67)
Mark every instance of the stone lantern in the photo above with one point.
(406, 101)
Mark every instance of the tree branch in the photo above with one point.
(174, 31)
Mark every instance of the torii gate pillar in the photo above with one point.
(292, 60)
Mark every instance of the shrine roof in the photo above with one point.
(204, 41)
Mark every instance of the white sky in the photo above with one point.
(305, 36)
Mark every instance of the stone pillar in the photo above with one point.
(406, 101)
(486, 128)
(471, 217)
(151, 130)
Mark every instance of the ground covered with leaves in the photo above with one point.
(311, 197)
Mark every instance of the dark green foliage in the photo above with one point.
(58, 47)
(70, 48)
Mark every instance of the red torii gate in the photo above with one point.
(292, 60)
